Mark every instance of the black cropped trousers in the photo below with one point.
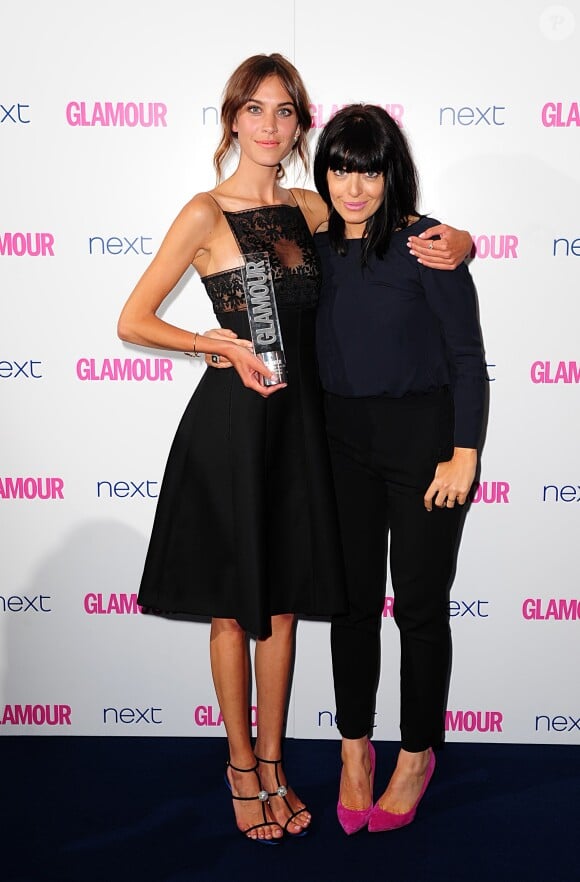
(384, 454)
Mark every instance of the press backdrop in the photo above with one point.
(108, 123)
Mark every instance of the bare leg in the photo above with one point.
(355, 784)
(230, 669)
(406, 782)
(273, 661)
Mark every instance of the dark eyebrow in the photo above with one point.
(282, 103)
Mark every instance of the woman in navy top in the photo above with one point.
(401, 362)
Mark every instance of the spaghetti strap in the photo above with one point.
(213, 199)
(291, 191)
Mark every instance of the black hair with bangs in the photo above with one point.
(364, 138)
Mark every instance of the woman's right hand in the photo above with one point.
(241, 357)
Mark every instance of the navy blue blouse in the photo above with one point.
(396, 327)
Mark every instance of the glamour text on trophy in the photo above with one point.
(263, 316)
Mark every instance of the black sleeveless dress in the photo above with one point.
(246, 526)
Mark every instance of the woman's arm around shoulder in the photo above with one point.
(445, 252)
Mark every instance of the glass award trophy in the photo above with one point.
(263, 316)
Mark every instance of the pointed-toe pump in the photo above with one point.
(380, 820)
(353, 820)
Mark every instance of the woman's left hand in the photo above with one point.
(220, 361)
(447, 252)
(453, 479)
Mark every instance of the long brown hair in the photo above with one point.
(242, 85)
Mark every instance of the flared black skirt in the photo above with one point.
(246, 525)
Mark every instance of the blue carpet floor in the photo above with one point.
(157, 810)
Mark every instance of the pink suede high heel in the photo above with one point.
(380, 820)
(353, 820)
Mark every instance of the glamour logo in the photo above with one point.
(15, 113)
(322, 113)
(105, 113)
(557, 608)
(128, 715)
(26, 245)
(35, 715)
(126, 489)
(472, 116)
(565, 493)
(555, 372)
(26, 370)
(556, 114)
(22, 603)
(457, 608)
(209, 715)
(489, 378)
(119, 245)
(491, 492)
(31, 488)
(558, 723)
(388, 607)
(260, 302)
(109, 604)
(118, 369)
(473, 721)
(564, 247)
(497, 246)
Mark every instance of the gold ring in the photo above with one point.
(215, 359)
(431, 245)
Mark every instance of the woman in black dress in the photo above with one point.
(245, 529)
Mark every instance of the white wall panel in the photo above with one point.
(488, 97)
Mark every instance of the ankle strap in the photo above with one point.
(236, 769)
(272, 762)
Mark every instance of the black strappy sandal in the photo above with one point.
(262, 797)
(282, 791)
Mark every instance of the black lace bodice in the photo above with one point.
(282, 231)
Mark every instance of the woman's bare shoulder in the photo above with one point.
(312, 206)
(198, 217)
(202, 207)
